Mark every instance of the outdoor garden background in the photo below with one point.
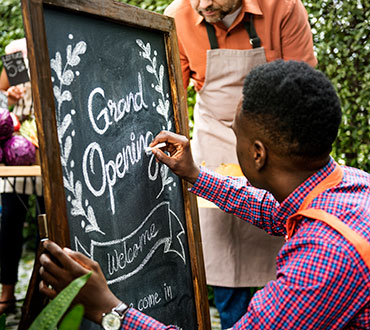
(341, 33)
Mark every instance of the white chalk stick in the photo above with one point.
(159, 145)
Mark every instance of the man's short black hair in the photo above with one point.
(295, 105)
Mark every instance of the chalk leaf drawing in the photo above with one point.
(165, 178)
(163, 105)
(65, 75)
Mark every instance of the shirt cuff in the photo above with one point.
(198, 182)
(137, 320)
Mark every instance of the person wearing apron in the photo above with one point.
(237, 255)
(230, 246)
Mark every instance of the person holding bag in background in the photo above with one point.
(15, 191)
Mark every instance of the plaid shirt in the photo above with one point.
(321, 281)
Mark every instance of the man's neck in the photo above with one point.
(285, 179)
(228, 20)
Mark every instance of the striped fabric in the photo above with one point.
(321, 280)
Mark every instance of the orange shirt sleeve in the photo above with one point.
(296, 36)
(185, 68)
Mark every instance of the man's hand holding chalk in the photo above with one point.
(180, 159)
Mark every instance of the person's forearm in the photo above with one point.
(234, 195)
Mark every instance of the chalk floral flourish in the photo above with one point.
(65, 75)
(163, 105)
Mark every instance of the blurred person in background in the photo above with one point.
(15, 191)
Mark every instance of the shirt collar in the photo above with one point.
(292, 203)
(249, 6)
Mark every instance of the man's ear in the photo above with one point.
(259, 154)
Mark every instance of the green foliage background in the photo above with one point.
(341, 37)
(341, 33)
(11, 25)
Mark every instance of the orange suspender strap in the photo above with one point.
(361, 244)
(331, 180)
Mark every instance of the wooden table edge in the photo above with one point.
(14, 171)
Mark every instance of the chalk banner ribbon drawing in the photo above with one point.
(128, 255)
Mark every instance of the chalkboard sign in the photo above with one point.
(15, 68)
(112, 83)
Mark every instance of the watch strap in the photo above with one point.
(121, 309)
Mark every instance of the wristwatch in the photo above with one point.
(113, 319)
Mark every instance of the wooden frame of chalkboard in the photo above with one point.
(161, 61)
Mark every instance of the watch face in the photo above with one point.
(111, 322)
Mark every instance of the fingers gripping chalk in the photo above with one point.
(159, 145)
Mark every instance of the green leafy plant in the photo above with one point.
(11, 24)
(53, 312)
(73, 319)
(191, 98)
(30, 227)
(153, 5)
(2, 321)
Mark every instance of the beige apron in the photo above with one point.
(236, 254)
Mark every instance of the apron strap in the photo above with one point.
(211, 35)
(361, 244)
(253, 36)
(249, 27)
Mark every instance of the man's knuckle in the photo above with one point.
(46, 263)
(95, 265)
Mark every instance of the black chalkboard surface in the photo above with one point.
(109, 85)
(15, 68)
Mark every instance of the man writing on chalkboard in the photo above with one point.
(220, 41)
(285, 127)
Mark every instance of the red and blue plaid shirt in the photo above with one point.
(321, 280)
